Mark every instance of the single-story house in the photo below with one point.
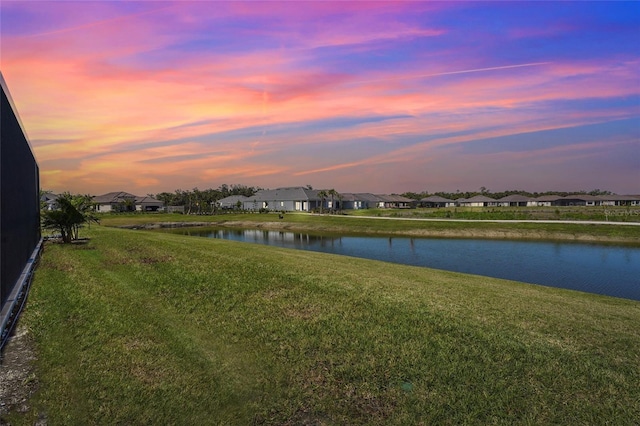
(579, 200)
(585, 200)
(544, 201)
(514, 200)
(351, 201)
(477, 201)
(365, 200)
(123, 201)
(436, 201)
(232, 202)
(284, 199)
(394, 201)
(620, 200)
(49, 200)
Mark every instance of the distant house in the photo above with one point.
(351, 202)
(477, 201)
(123, 201)
(232, 202)
(579, 200)
(148, 204)
(365, 200)
(436, 201)
(620, 200)
(544, 201)
(49, 200)
(514, 200)
(394, 201)
(585, 200)
(290, 199)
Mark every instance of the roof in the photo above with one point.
(119, 197)
(366, 196)
(232, 200)
(394, 198)
(113, 197)
(147, 200)
(615, 197)
(436, 199)
(548, 198)
(515, 198)
(479, 199)
(49, 197)
(285, 194)
(583, 197)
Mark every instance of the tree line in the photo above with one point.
(499, 194)
(198, 201)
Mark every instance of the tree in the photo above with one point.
(333, 193)
(72, 212)
(86, 207)
(323, 196)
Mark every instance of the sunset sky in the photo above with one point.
(148, 96)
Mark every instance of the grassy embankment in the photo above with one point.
(583, 213)
(368, 225)
(139, 327)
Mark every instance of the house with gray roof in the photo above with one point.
(620, 200)
(394, 201)
(351, 201)
(544, 201)
(367, 200)
(124, 201)
(579, 200)
(514, 200)
(437, 201)
(232, 202)
(49, 201)
(292, 199)
(478, 201)
(358, 201)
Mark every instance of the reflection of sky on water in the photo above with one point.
(602, 269)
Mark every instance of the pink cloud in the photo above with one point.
(90, 88)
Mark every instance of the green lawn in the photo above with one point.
(375, 225)
(139, 327)
(580, 213)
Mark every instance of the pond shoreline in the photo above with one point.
(472, 231)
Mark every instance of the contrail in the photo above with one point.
(533, 64)
(504, 67)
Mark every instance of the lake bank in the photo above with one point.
(527, 230)
(598, 268)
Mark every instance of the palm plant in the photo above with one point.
(323, 194)
(71, 213)
(333, 193)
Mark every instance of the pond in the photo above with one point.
(601, 269)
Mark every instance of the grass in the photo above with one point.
(578, 213)
(373, 225)
(136, 327)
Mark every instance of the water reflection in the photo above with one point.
(602, 269)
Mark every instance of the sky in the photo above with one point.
(146, 96)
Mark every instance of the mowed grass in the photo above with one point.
(138, 327)
(376, 225)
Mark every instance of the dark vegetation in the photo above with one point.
(499, 194)
(71, 213)
(202, 201)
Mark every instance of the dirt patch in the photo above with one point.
(17, 375)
